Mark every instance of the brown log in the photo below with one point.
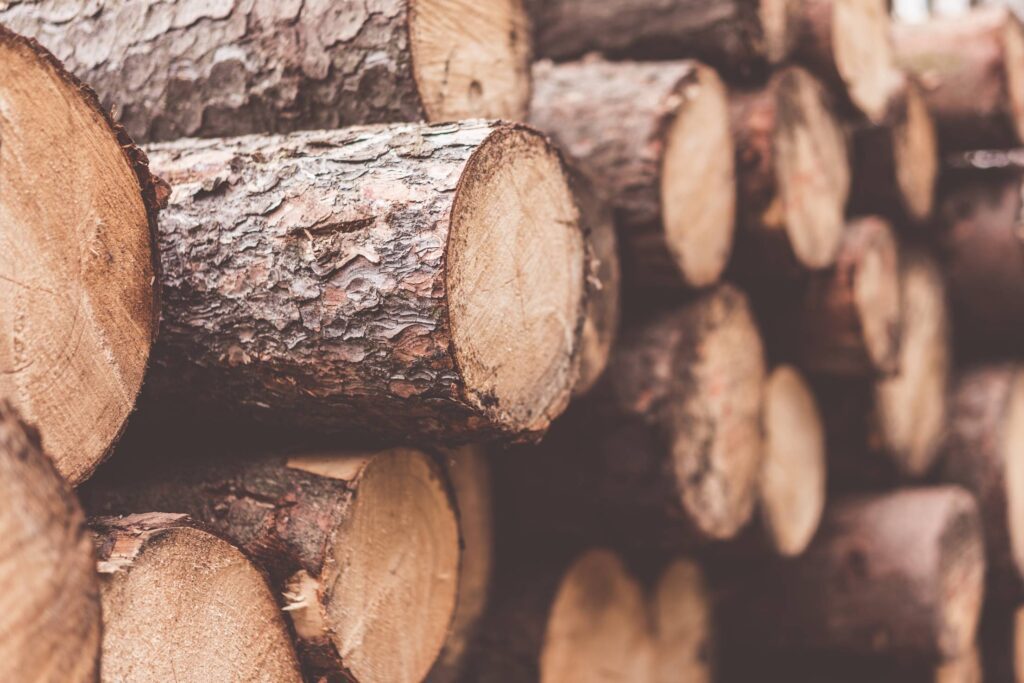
(895, 164)
(742, 36)
(981, 453)
(683, 625)
(848, 44)
(181, 69)
(362, 547)
(180, 603)
(972, 70)
(555, 620)
(898, 574)
(77, 304)
(410, 281)
(656, 135)
(49, 594)
(793, 174)
(808, 668)
(666, 453)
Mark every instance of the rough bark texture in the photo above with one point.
(49, 594)
(970, 67)
(740, 36)
(181, 603)
(181, 69)
(654, 134)
(309, 280)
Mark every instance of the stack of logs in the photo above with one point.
(475, 341)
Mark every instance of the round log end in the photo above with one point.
(389, 585)
(182, 604)
(515, 280)
(1012, 447)
(916, 154)
(792, 486)
(50, 616)
(597, 628)
(864, 56)
(698, 183)
(812, 168)
(961, 576)
(876, 292)
(683, 626)
(471, 59)
(76, 271)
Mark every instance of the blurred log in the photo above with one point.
(184, 69)
(166, 585)
(811, 668)
(683, 625)
(409, 281)
(77, 302)
(656, 135)
(49, 594)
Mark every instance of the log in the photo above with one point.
(981, 453)
(972, 70)
(683, 625)
(554, 620)
(182, 69)
(897, 574)
(666, 453)
(180, 603)
(363, 548)
(808, 668)
(793, 174)
(656, 135)
(410, 282)
(895, 164)
(49, 594)
(77, 302)
(742, 36)
(848, 44)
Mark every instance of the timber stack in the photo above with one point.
(510, 341)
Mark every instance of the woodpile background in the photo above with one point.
(505, 341)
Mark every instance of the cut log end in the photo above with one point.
(1012, 447)
(470, 59)
(682, 613)
(962, 579)
(876, 293)
(597, 628)
(778, 20)
(76, 283)
(863, 55)
(515, 280)
(182, 604)
(792, 487)
(698, 185)
(916, 155)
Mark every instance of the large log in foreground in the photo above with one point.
(77, 303)
(181, 69)
(656, 135)
(167, 585)
(49, 593)
(972, 71)
(364, 548)
(420, 282)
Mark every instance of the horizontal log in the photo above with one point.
(180, 69)
(410, 282)
(166, 587)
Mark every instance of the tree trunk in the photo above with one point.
(981, 453)
(656, 135)
(181, 69)
(666, 453)
(793, 175)
(972, 70)
(182, 604)
(895, 164)
(412, 282)
(77, 304)
(683, 625)
(363, 547)
(49, 594)
(742, 37)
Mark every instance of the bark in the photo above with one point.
(182, 69)
(971, 68)
(165, 582)
(743, 37)
(655, 134)
(326, 528)
(77, 301)
(412, 282)
(49, 595)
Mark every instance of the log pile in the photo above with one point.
(517, 341)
